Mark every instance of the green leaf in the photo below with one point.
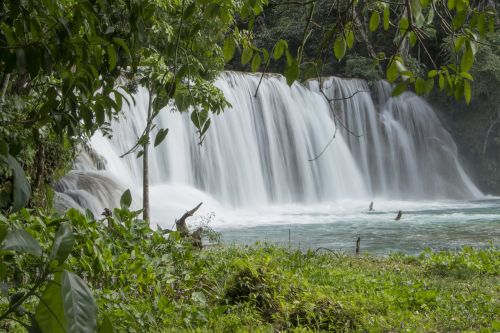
(21, 241)
(228, 48)
(392, 71)
(80, 308)
(21, 188)
(430, 16)
(399, 89)
(374, 21)
(451, 4)
(49, 313)
(458, 92)
(292, 72)
(63, 243)
(339, 47)
(467, 76)
(198, 118)
(432, 73)
(467, 60)
(106, 326)
(279, 49)
(420, 86)
(403, 24)
(386, 18)
(160, 136)
(481, 24)
(126, 199)
(429, 85)
(246, 55)
(413, 38)
(205, 128)
(459, 19)
(350, 39)
(111, 57)
(441, 82)
(459, 42)
(256, 62)
(467, 91)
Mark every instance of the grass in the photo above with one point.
(269, 289)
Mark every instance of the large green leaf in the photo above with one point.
(256, 62)
(228, 48)
(392, 72)
(20, 241)
(292, 72)
(279, 49)
(246, 55)
(374, 21)
(420, 86)
(386, 18)
(160, 136)
(21, 191)
(80, 308)
(350, 39)
(467, 91)
(49, 313)
(339, 47)
(63, 243)
(467, 60)
(126, 199)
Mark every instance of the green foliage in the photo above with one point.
(65, 304)
(149, 281)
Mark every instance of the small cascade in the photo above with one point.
(258, 151)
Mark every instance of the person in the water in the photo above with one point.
(400, 213)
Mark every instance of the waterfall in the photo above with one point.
(404, 151)
(258, 151)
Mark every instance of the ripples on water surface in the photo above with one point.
(437, 225)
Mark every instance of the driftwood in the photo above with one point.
(183, 229)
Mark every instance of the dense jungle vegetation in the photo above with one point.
(66, 69)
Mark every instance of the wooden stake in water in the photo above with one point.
(358, 241)
(289, 239)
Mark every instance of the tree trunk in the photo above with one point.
(145, 161)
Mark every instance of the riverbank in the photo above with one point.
(270, 289)
(143, 281)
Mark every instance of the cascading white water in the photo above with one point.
(257, 152)
(404, 152)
